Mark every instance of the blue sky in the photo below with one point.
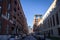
(32, 7)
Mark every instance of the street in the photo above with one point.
(29, 37)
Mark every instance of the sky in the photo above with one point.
(32, 7)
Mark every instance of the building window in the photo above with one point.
(49, 33)
(50, 22)
(18, 8)
(14, 11)
(58, 31)
(14, 17)
(12, 28)
(10, 18)
(14, 22)
(8, 15)
(18, 14)
(15, 2)
(53, 20)
(52, 32)
(0, 10)
(57, 19)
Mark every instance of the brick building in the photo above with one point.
(12, 18)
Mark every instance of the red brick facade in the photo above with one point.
(12, 18)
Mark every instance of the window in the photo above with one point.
(58, 31)
(14, 11)
(53, 20)
(18, 8)
(12, 28)
(18, 14)
(50, 22)
(14, 22)
(8, 15)
(19, 29)
(14, 17)
(57, 19)
(15, 2)
(51, 32)
(0, 10)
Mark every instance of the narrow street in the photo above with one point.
(19, 37)
(29, 19)
(5, 37)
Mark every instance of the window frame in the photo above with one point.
(57, 19)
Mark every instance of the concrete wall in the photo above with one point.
(48, 25)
